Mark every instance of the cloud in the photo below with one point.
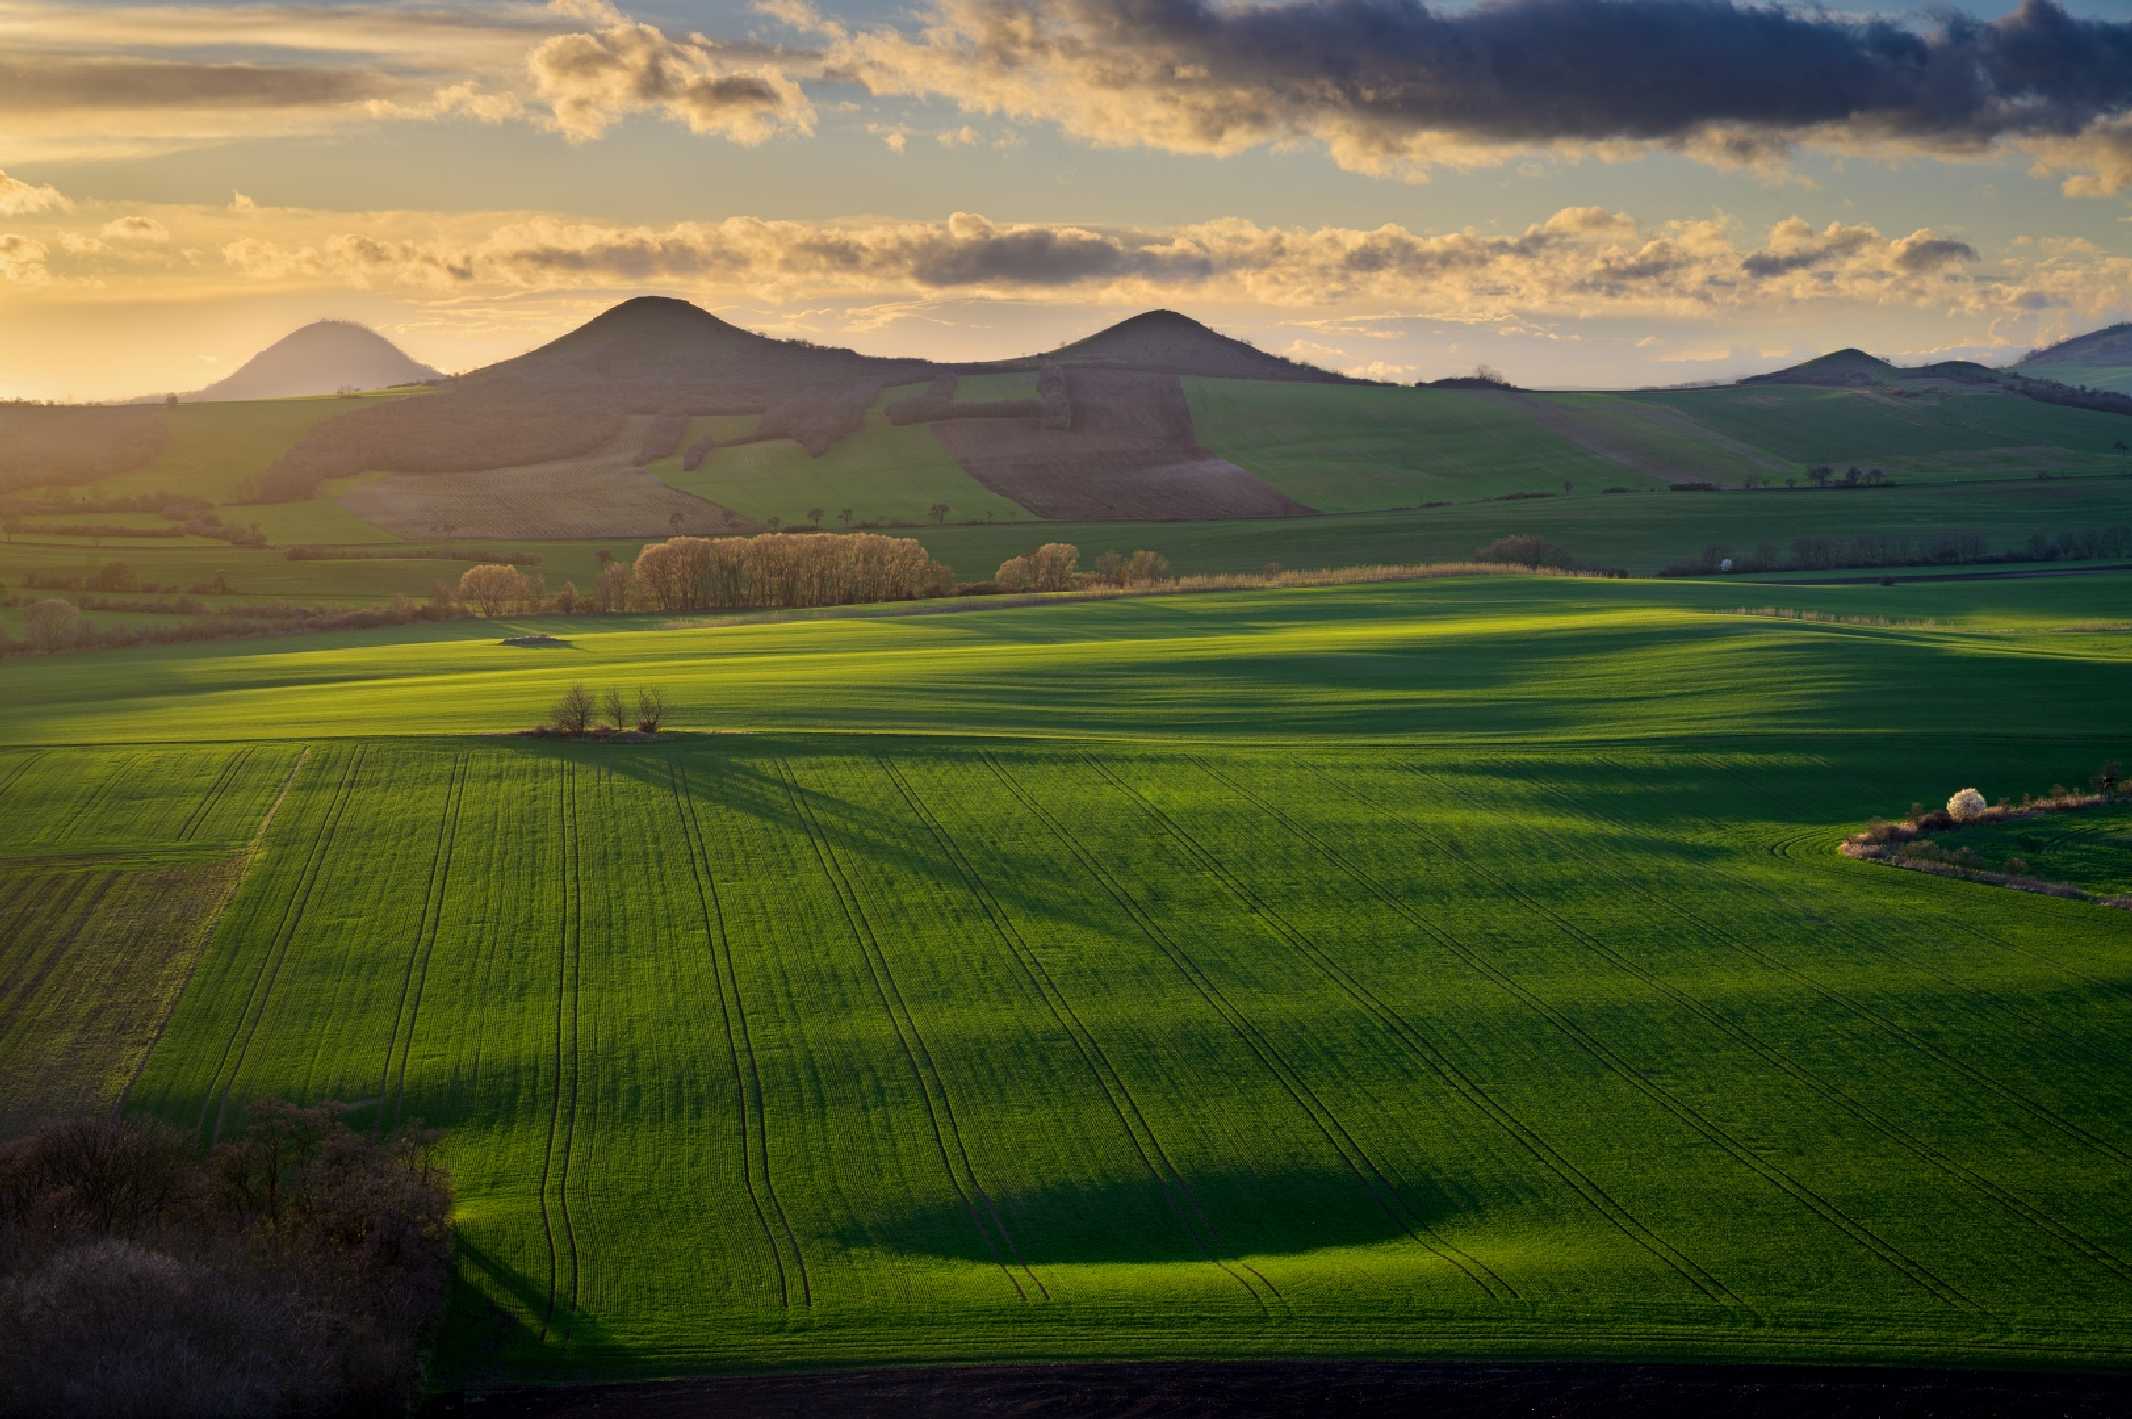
(135, 228)
(1579, 263)
(1314, 352)
(22, 199)
(592, 81)
(1383, 370)
(22, 260)
(1399, 86)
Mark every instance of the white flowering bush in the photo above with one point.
(1965, 805)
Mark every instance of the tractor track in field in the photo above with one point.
(941, 1116)
(1532, 1141)
(14, 997)
(1779, 1178)
(392, 1084)
(20, 768)
(1389, 1197)
(1298, 1090)
(1888, 1128)
(232, 768)
(1183, 1200)
(262, 988)
(561, 1119)
(105, 786)
(1982, 1080)
(747, 1081)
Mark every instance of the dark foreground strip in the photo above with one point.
(1325, 1388)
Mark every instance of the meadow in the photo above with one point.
(1453, 968)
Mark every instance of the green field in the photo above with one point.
(884, 473)
(2090, 849)
(1445, 968)
(1347, 449)
(2112, 377)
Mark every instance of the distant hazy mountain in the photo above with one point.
(322, 358)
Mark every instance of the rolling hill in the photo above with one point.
(2101, 359)
(324, 357)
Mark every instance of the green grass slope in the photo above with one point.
(883, 473)
(2117, 378)
(1353, 448)
(1454, 968)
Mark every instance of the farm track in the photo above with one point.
(1462, 1084)
(1178, 1192)
(562, 1118)
(1388, 1195)
(392, 1081)
(1365, 1172)
(232, 769)
(739, 1045)
(1777, 1177)
(1875, 1119)
(261, 992)
(20, 767)
(1786, 848)
(939, 1112)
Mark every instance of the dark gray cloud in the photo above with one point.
(1932, 253)
(1732, 81)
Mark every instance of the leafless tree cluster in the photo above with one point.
(579, 712)
(296, 1269)
(784, 570)
(1051, 567)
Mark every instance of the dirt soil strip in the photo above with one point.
(1129, 456)
(598, 495)
(1250, 1389)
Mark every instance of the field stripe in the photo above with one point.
(236, 1049)
(1282, 929)
(64, 921)
(1365, 1172)
(1177, 1191)
(1464, 1085)
(1917, 1147)
(22, 766)
(392, 1083)
(940, 1115)
(1777, 1177)
(232, 768)
(562, 1120)
(747, 1082)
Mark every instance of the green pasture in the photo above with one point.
(2113, 377)
(883, 473)
(1454, 968)
(2091, 849)
(1345, 448)
(214, 451)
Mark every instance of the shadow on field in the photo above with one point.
(487, 1337)
(1146, 1221)
(1324, 1389)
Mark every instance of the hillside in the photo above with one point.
(2101, 359)
(325, 357)
(1166, 340)
(1839, 369)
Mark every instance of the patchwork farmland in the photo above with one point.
(1452, 969)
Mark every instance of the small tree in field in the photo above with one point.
(566, 599)
(611, 593)
(492, 588)
(612, 709)
(573, 712)
(52, 623)
(1965, 805)
(938, 512)
(651, 709)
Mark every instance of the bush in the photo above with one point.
(573, 712)
(1051, 567)
(651, 709)
(296, 1269)
(52, 623)
(1524, 550)
(1965, 805)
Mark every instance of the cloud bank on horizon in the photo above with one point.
(1392, 92)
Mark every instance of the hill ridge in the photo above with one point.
(323, 357)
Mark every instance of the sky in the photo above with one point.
(1579, 193)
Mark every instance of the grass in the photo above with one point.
(216, 450)
(2114, 377)
(883, 473)
(1449, 968)
(1942, 436)
(1356, 449)
(2090, 849)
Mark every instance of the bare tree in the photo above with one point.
(493, 588)
(573, 712)
(612, 708)
(939, 513)
(51, 623)
(651, 708)
(814, 515)
(845, 517)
